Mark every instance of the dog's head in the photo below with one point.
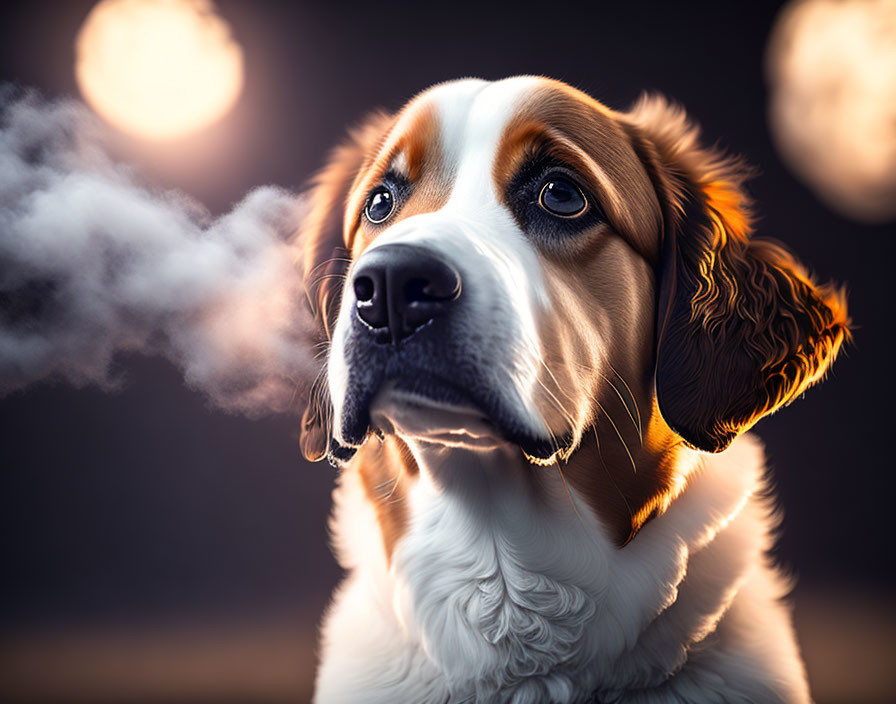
(504, 263)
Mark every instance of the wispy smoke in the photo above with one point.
(93, 265)
(831, 66)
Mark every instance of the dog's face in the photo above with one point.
(501, 241)
(502, 264)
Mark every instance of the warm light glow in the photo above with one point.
(158, 68)
(832, 73)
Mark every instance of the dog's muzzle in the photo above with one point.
(420, 341)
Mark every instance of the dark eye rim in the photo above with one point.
(549, 231)
(559, 176)
(379, 188)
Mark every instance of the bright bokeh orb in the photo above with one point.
(831, 67)
(158, 68)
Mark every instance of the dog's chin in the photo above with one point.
(425, 420)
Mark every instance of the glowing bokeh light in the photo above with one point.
(831, 67)
(158, 68)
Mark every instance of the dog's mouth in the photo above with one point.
(433, 410)
(449, 419)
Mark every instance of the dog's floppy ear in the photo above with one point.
(325, 259)
(742, 329)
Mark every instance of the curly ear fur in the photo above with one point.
(742, 329)
(325, 259)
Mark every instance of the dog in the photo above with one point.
(548, 328)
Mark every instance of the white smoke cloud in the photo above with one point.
(831, 67)
(93, 265)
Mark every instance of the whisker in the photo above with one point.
(388, 481)
(310, 273)
(568, 417)
(324, 263)
(632, 395)
(594, 370)
(619, 435)
(600, 454)
(396, 500)
(388, 499)
(636, 423)
(569, 494)
(324, 277)
(310, 288)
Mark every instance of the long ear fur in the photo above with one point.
(325, 260)
(742, 329)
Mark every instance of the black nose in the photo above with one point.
(400, 287)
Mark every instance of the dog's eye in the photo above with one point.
(379, 204)
(560, 196)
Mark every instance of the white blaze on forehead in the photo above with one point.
(472, 117)
(452, 102)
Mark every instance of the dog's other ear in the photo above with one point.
(324, 257)
(742, 329)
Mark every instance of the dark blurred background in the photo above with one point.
(154, 549)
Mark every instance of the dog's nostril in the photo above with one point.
(416, 290)
(364, 288)
(441, 286)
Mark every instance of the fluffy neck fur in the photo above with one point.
(506, 587)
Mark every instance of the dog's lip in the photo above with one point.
(455, 422)
(466, 420)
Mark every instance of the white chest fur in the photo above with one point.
(505, 589)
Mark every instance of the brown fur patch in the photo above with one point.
(626, 481)
(586, 134)
(385, 468)
(415, 139)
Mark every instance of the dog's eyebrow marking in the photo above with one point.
(530, 138)
(586, 134)
(412, 149)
